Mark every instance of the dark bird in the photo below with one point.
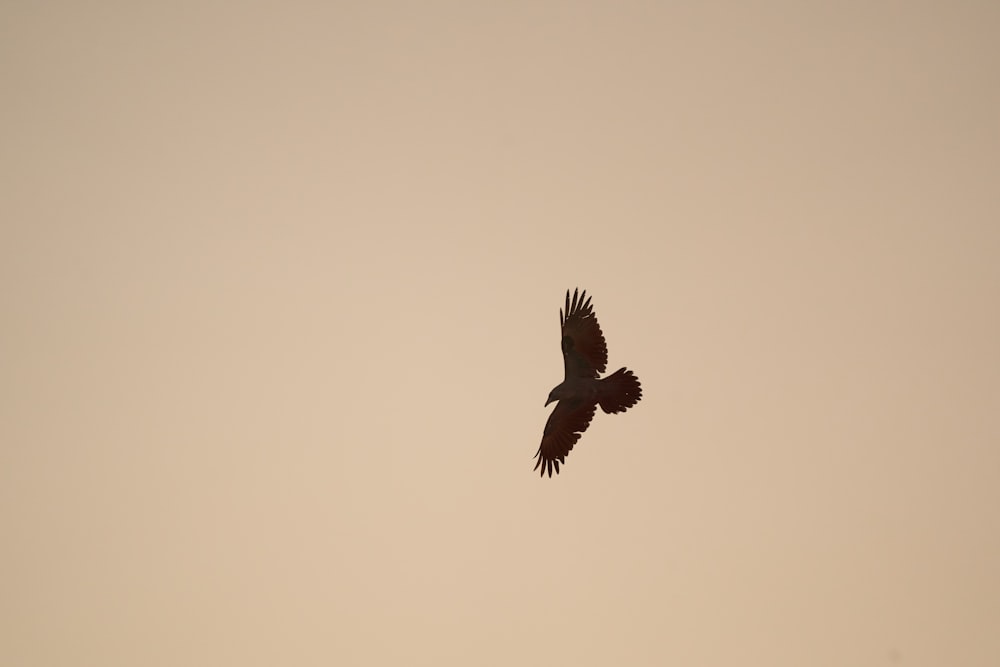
(585, 355)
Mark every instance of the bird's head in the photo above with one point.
(556, 394)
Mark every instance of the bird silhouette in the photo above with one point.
(585, 356)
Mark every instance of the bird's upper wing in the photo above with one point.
(568, 420)
(584, 351)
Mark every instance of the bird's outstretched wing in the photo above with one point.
(568, 420)
(585, 353)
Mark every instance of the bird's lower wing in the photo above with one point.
(568, 420)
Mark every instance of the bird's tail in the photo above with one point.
(619, 391)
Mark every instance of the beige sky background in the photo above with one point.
(280, 287)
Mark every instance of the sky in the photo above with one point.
(279, 286)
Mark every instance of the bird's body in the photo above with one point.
(585, 355)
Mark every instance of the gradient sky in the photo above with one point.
(279, 287)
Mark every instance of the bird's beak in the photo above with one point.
(547, 401)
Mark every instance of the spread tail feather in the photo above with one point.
(619, 391)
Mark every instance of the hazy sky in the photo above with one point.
(279, 292)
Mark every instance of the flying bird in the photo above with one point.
(585, 355)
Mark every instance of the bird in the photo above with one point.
(585, 357)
